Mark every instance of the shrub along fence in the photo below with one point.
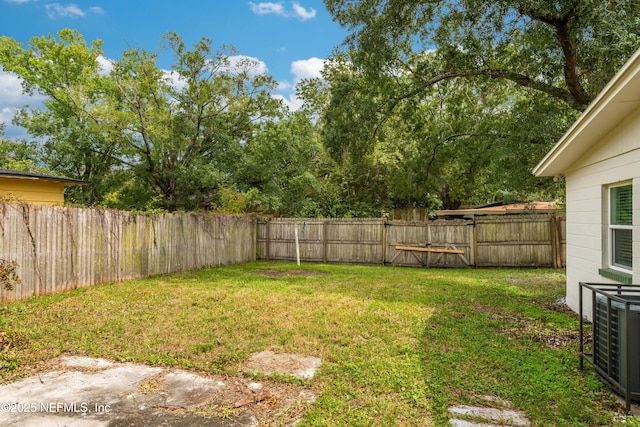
(61, 248)
(487, 241)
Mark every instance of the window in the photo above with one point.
(620, 226)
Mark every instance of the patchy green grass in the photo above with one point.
(399, 345)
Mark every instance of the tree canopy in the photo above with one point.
(143, 136)
(565, 49)
(429, 103)
(466, 96)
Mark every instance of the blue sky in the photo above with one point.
(291, 39)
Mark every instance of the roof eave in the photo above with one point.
(8, 173)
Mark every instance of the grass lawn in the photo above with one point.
(399, 345)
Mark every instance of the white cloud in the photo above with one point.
(303, 13)
(174, 79)
(96, 9)
(291, 100)
(307, 68)
(302, 69)
(56, 10)
(6, 115)
(11, 100)
(10, 130)
(242, 62)
(71, 10)
(105, 65)
(10, 88)
(284, 86)
(11, 91)
(265, 8)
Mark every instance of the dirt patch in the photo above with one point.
(276, 274)
(523, 328)
(560, 306)
(267, 363)
(517, 326)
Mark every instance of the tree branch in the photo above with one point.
(562, 27)
(520, 79)
(527, 81)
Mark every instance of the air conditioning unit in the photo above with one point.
(610, 340)
(615, 348)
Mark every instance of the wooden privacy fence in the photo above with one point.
(59, 248)
(496, 240)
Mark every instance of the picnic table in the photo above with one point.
(424, 261)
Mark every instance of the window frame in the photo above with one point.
(611, 228)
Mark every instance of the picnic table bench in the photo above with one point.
(450, 249)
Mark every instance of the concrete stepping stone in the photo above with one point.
(487, 416)
(462, 423)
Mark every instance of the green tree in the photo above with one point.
(146, 138)
(66, 71)
(566, 49)
(364, 160)
(18, 155)
(287, 170)
(469, 95)
(187, 134)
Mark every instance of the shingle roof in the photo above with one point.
(533, 207)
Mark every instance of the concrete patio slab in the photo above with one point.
(88, 392)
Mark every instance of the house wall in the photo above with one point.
(616, 158)
(33, 191)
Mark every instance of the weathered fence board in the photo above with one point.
(322, 240)
(354, 241)
(60, 248)
(454, 233)
(516, 241)
(405, 234)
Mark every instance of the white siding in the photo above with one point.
(615, 158)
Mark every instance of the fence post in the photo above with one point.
(256, 223)
(556, 241)
(324, 241)
(267, 244)
(474, 243)
(384, 240)
(472, 248)
(552, 237)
